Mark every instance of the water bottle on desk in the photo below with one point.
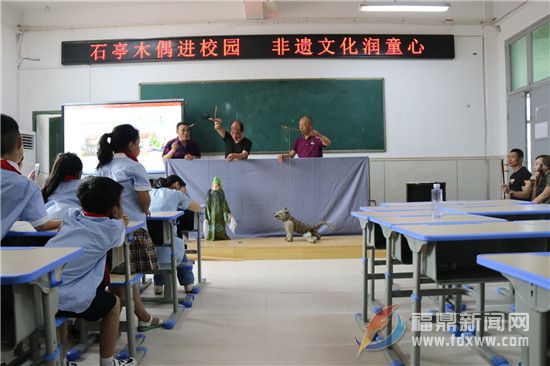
(437, 198)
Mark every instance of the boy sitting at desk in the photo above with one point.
(97, 228)
(21, 198)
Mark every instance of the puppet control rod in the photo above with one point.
(206, 116)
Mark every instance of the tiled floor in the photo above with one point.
(286, 313)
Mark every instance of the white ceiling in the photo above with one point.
(67, 14)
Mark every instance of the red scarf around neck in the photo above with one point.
(4, 164)
(70, 177)
(93, 214)
(131, 156)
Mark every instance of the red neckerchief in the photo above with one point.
(93, 214)
(107, 275)
(70, 177)
(131, 156)
(7, 166)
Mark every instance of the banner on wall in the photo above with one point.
(295, 46)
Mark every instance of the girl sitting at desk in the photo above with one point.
(117, 154)
(170, 195)
(59, 191)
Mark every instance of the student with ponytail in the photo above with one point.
(117, 154)
(59, 191)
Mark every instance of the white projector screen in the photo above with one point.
(156, 121)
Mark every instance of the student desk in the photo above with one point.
(510, 212)
(168, 219)
(25, 230)
(372, 239)
(29, 266)
(529, 273)
(435, 247)
(137, 352)
(22, 231)
(198, 227)
(500, 202)
(396, 247)
(417, 206)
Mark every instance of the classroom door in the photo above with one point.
(540, 121)
(517, 122)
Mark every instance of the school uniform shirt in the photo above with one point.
(166, 199)
(132, 175)
(63, 198)
(82, 275)
(21, 200)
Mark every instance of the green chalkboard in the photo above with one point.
(349, 111)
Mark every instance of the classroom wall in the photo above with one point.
(438, 102)
(9, 74)
(436, 110)
(526, 15)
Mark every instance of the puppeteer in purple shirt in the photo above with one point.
(190, 148)
(308, 148)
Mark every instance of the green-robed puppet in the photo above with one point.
(217, 213)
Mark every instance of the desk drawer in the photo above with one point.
(116, 257)
(401, 250)
(455, 261)
(21, 313)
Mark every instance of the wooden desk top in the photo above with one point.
(390, 221)
(24, 228)
(367, 215)
(133, 226)
(25, 264)
(478, 231)
(396, 208)
(512, 209)
(542, 224)
(164, 215)
(530, 267)
(501, 202)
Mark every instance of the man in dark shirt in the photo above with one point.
(182, 147)
(310, 144)
(237, 147)
(514, 188)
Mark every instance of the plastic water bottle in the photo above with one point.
(437, 198)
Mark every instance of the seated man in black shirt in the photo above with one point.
(516, 189)
(237, 147)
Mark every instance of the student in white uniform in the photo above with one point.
(21, 198)
(59, 191)
(170, 195)
(97, 228)
(117, 154)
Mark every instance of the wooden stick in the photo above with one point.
(503, 170)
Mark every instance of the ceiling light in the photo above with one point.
(404, 7)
